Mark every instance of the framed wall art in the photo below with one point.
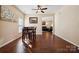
(33, 19)
(7, 14)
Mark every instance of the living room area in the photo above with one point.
(35, 29)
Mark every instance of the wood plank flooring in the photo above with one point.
(45, 43)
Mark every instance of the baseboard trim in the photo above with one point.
(8, 42)
(67, 40)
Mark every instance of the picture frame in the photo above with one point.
(6, 14)
(33, 19)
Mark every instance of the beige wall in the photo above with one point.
(9, 30)
(38, 25)
(67, 24)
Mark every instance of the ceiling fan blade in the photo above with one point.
(42, 11)
(43, 8)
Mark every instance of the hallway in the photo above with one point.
(43, 44)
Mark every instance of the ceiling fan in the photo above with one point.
(40, 8)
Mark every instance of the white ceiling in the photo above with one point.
(27, 9)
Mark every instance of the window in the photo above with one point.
(20, 23)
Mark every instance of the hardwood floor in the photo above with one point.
(45, 43)
(15, 47)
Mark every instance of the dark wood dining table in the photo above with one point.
(29, 33)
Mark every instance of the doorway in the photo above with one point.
(47, 24)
